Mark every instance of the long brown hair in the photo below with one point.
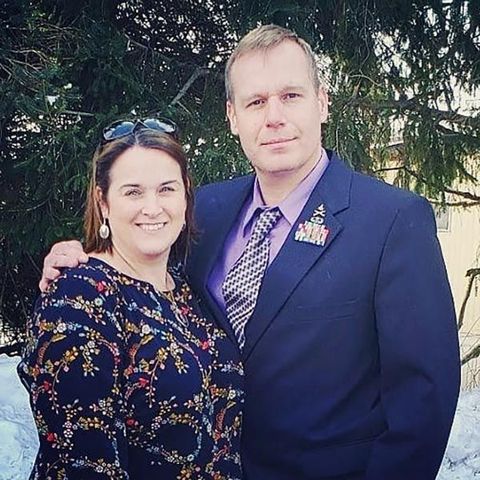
(103, 160)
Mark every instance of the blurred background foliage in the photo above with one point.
(68, 68)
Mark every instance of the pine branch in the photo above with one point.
(472, 274)
(154, 52)
(78, 114)
(447, 132)
(199, 72)
(473, 353)
(468, 195)
(413, 105)
(455, 204)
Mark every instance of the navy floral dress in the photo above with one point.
(126, 384)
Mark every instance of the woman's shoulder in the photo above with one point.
(87, 279)
(85, 295)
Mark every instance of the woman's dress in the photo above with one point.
(129, 382)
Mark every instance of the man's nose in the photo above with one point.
(274, 113)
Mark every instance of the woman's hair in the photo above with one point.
(103, 160)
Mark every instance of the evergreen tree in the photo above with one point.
(67, 69)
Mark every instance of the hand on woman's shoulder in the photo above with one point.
(85, 295)
(87, 279)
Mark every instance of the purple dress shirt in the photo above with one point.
(237, 239)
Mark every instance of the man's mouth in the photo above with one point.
(278, 141)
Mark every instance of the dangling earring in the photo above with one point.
(104, 230)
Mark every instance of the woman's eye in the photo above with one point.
(166, 188)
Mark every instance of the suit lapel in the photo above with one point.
(223, 211)
(295, 257)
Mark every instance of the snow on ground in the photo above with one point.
(18, 437)
(462, 459)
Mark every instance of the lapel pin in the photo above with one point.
(313, 230)
(319, 215)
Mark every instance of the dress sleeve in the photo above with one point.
(72, 367)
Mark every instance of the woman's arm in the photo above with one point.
(73, 368)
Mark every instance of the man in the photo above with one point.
(331, 282)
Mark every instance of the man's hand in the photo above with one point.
(62, 254)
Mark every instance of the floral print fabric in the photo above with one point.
(126, 384)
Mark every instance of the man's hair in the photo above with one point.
(262, 39)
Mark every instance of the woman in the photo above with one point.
(127, 378)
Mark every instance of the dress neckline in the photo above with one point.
(163, 293)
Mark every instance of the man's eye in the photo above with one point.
(255, 103)
(291, 95)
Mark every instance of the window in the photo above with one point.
(442, 217)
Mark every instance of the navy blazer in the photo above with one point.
(351, 355)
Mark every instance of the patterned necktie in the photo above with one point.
(242, 283)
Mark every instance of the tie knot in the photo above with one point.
(265, 222)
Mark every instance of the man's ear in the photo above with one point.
(323, 104)
(232, 117)
(102, 204)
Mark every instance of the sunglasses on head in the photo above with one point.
(122, 128)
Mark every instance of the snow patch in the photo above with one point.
(19, 441)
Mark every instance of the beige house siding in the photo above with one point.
(458, 231)
(461, 247)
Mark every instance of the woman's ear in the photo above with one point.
(101, 202)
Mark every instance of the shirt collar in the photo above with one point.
(291, 206)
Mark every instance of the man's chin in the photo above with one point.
(275, 170)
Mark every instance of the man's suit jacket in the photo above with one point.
(351, 355)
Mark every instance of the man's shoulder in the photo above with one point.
(373, 186)
(213, 196)
(220, 188)
(367, 189)
(369, 194)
